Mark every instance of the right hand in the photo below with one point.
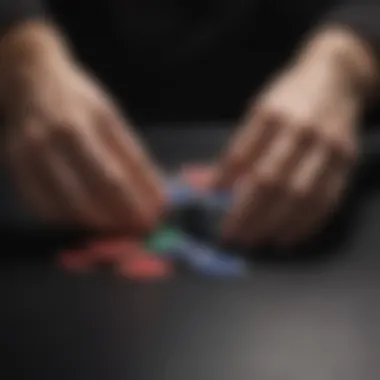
(73, 156)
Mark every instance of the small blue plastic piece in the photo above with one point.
(199, 215)
(206, 260)
(179, 195)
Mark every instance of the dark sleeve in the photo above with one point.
(13, 11)
(362, 16)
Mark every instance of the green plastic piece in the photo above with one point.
(163, 239)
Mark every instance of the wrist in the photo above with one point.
(354, 62)
(26, 48)
(31, 42)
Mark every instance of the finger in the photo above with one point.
(319, 210)
(252, 195)
(130, 151)
(313, 223)
(254, 222)
(277, 165)
(308, 184)
(269, 170)
(275, 216)
(264, 181)
(69, 188)
(245, 149)
(24, 175)
(113, 188)
(339, 152)
(56, 180)
(283, 156)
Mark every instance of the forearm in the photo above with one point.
(30, 42)
(23, 47)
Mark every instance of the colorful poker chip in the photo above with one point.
(163, 239)
(206, 260)
(111, 250)
(199, 177)
(144, 266)
(179, 194)
(223, 266)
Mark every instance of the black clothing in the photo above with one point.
(202, 59)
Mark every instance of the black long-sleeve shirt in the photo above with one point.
(170, 59)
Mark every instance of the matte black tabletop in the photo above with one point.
(298, 320)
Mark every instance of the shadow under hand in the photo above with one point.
(332, 239)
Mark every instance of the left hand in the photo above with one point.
(292, 157)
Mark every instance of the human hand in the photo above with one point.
(72, 154)
(291, 159)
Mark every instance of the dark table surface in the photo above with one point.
(298, 320)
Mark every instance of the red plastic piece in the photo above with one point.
(198, 176)
(112, 250)
(144, 266)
